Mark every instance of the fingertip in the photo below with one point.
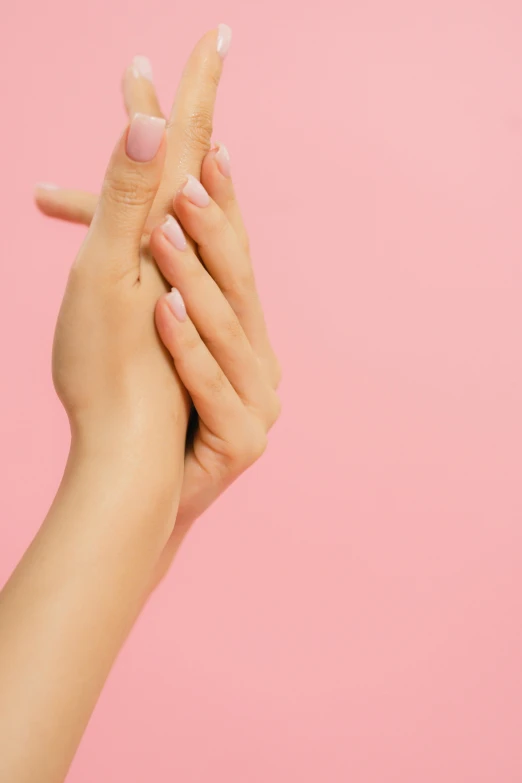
(222, 160)
(216, 174)
(176, 305)
(164, 252)
(193, 192)
(45, 201)
(141, 66)
(173, 232)
(165, 238)
(156, 235)
(45, 186)
(162, 317)
(139, 94)
(43, 192)
(224, 39)
(159, 247)
(217, 40)
(170, 312)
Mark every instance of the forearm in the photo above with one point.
(69, 605)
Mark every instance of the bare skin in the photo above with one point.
(194, 106)
(124, 376)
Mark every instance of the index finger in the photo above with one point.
(189, 128)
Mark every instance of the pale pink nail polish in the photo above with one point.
(143, 67)
(223, 40)
(144, 137)
(174, 233)
(177, 305)
(195, 192)
(46, 186)
(223, 160)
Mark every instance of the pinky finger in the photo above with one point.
(75, 206)
(214, 398)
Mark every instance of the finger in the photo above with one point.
(216, 402)
(75, 206)
(225, 259)
(129, 188)
(216, 179)
(139, 93)
(214, 320)
(189, 129)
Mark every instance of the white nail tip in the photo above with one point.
(142, 67)
(223, 40)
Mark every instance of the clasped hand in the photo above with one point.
(131, 357)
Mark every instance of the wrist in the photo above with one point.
(137, 476)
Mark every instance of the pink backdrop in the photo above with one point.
(352, 610)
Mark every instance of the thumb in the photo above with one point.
(131, 182)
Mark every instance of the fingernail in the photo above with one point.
(223, 40)
(195, 192)
(176, 304)
(174, 233)
(223, 160)
(46, 186)
(144, 137)
(143, 66)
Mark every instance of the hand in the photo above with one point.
(213, 326)
(193, 112)
(188, 139)
(189, 129)
(73, 598)
(115, 382)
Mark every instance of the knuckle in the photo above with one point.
(219, 225)
(275, 409)
(228, 331)
(131, 189)
(257, 447)
(214, 78)
(251, 448)
(198, 131)
(216, 383)
(214, 228)
(192, 341)
(194, 272)
(232, 329)
(240, 285)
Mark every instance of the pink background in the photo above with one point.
(352, 610)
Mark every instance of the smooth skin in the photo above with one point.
(189, 132)
(108, 536)
(221, 350)
(70, 603)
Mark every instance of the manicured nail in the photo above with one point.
(174, 233)
(143, 67)
(223, 40)
(144, 137)
(195, 192)
(177, 305)
(46, 186)
(223, 160)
